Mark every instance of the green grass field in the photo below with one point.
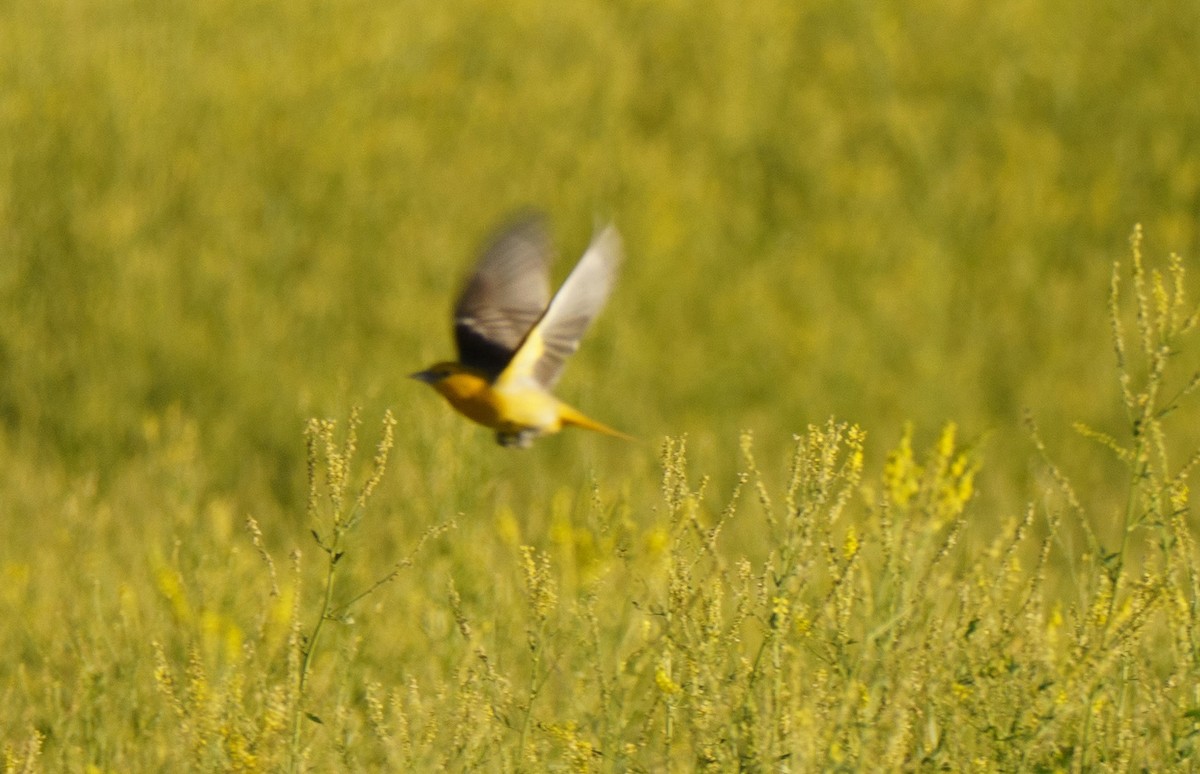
(913, 491)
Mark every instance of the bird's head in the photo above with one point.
(437, 373)
(453, 380)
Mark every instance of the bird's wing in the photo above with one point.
(556, 335)
(505, 295)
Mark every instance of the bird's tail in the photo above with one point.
(570, 416)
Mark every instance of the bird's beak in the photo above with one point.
(422, 376)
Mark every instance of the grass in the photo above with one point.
(872, 619)
(219, 221)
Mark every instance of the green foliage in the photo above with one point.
(220, 219)
(259, 212)
(881, 623)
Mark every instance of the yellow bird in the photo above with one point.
(513, 338)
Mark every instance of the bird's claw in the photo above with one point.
(520, 439)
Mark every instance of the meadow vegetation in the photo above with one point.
(234, 536)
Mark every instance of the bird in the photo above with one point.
(513, 338)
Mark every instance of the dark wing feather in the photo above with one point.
(556, 335)
(505, 296)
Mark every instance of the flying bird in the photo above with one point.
(513, 338)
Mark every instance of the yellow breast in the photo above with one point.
(472, 396)
(509, 408)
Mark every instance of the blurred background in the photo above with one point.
(218, 219)
(222, 218)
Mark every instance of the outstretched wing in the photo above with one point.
(556, 335)
(505, 295)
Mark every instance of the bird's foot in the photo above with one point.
(520, 439)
